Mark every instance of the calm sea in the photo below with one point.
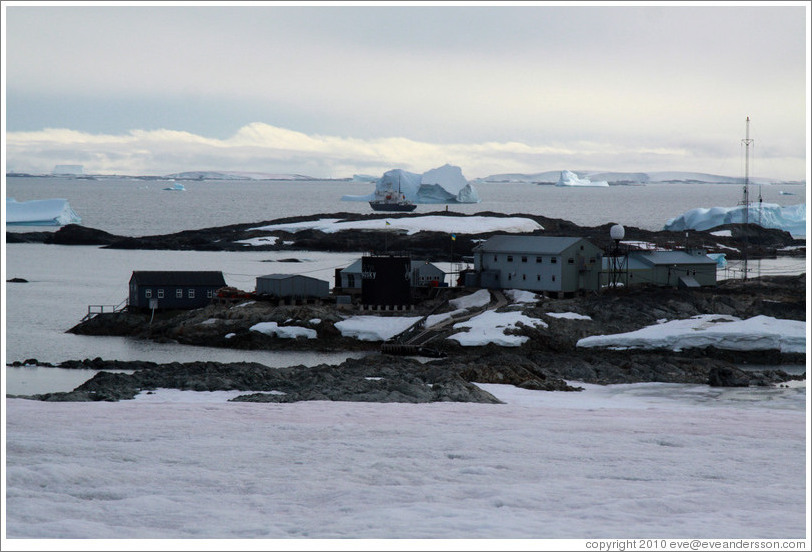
(132, 207)
(63, 281)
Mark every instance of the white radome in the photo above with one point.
(617, 232)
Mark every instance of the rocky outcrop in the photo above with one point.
(760, 242)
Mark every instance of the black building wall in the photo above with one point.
(385, 280)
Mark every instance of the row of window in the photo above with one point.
(553, 260)
(524, 277)
(178, 293)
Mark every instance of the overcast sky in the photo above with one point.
(331, 91)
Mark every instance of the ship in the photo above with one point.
(390, 201)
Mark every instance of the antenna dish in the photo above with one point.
(617, 232)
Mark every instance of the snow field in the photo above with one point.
(602, 463)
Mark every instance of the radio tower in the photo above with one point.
(746, 201)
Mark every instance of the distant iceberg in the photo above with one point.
(791, 218)
(445, 184)
(569, 178)
(176, 187)
(40, 212)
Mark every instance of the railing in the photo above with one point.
(93, 310)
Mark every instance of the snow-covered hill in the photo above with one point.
(629, 178)
(236, 175)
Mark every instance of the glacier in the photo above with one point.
(569, 178)
(791, 218)
(444, 184)
(40, 212)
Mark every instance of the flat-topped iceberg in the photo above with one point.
(40, 212)
(444, 184)
(569, 178)
(791, 218)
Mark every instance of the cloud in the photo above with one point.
(265, 148)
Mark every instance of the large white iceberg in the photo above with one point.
(40, 212)
(445, 184)
(791, 218)
(569, 178)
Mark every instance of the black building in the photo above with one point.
(386, 280)
(182, 289)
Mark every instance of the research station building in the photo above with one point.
(173, 289)
(557, 266)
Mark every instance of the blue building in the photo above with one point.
(164, 289)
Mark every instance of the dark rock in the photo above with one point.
(18, 281)
(728, 376)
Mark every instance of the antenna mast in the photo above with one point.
(747, 142)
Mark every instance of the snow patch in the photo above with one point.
(411, 225)
(490, 327)
(285, 332)
(374, 328)
(710, 330)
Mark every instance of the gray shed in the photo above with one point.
(292, 285)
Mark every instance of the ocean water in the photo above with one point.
(137, 208)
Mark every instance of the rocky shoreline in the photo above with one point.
(549, 360)
(760, 242)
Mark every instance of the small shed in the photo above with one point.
(691, 268)
(292, 286)
(426, 274)
(173, 289)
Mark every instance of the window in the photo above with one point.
(160, 293)
(509, 277)
(538, 259)
(524, 276)
(191, 293)
(148, 293)
(209, 294)
(178, 293)
(553, 277)
(570, 261)
(553, 260)
(582, 248)
(510, 258)
(524, 259)
(494, 258)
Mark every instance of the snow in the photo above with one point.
(444, 184)
(638, 178)
(40, 212)
(519, 296)
(568, 315)
(722, 233)
(374, 328)
(711, 330)
(264, 240)
(620, 461)
(569, 178)
(791, 218)
(490, 327)
(479, 298)
(411, 225)
(285, 332)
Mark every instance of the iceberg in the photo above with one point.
(791, 218)
(176, 187)
(445, 184)
(40, 212)
(569, 178)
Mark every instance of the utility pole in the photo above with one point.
(747, 142)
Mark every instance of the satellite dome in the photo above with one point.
(617, 232)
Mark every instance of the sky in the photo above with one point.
(334, 90)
